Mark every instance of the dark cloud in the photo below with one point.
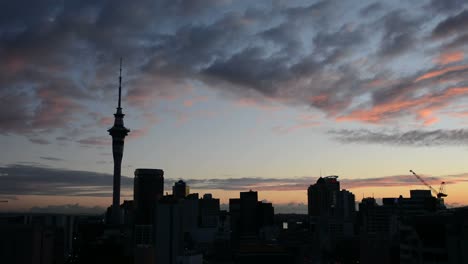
(51, 158)
(458, 42)
(398, 33)
(452, 25)
(39, 141)
(446, 5)
(371, 9)
(344, 38)
(456, 137)
(39, 180)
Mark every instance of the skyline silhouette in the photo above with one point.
(232, 96)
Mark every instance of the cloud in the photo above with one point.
(397, 103)
(51, 158)
(302, 183)
(17, 180)
(399, 33)
(447, 5)
(456, 137)
(60, 58)
(451, 25)
(450, 57)
(96, 141)
(39, 141)
(371, 9)
(38, 180)
(442, 71)
(458, 42)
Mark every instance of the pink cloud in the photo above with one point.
(449, 57)
(424, 107)
(54, 110)
(437, 73)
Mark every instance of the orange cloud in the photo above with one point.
(436, 73)
(424, 107)
(449, 57)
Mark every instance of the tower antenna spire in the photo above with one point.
(120, 82)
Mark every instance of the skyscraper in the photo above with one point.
(148, 188)
(331, 212)
(180, 190)
(323, 196)
(118, 133)
(248, 213)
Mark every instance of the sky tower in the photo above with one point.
(118, 133)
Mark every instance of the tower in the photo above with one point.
(118, 133)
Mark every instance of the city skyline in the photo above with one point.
(234, 96)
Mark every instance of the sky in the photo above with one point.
(231, 96)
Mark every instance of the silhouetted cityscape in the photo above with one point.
(190, 228)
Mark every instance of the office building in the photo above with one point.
(209, 211)
(169, 230)
(148, 188)
(180, 190)
(331, 213)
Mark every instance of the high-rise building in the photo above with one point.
(169, 230)
(248, 213)
(209, 211)
(248, 216)
(148, 188)
(118, 133)
(234, 215)
(331, 212)
(180, 190)
(323, 196)
(378, 229)
(266, 214)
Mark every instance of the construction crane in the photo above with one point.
(439, 194)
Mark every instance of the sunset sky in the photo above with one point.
(232, 95)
